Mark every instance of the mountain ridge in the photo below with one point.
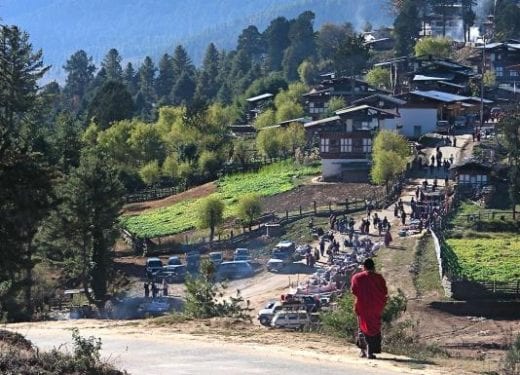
(61, 27)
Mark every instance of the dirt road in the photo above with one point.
(154, 350)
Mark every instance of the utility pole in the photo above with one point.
(482, 83)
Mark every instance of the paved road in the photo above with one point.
(140, 352)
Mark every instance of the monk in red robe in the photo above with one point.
(370, 291)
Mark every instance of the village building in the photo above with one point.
(258, 104)
(471, 173)
(345, 141)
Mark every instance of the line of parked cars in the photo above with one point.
(175, 271)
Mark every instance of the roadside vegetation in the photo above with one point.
(19, 356)
(426, 269)
(182, 216)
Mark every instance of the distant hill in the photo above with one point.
(138, 28)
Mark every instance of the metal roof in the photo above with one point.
(363, 107)
(388, 98)
(451, 84)
(322, 121)
(440, 77)
(260, 97)
(440, 96)
(477, 99)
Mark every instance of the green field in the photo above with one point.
(179, 217)
(488, 256)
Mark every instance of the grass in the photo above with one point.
(427, 279)
(488, 256)
(177, 218)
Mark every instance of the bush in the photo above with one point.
(512, 360)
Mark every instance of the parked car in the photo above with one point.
(293, 319)
(495, 112)
(216, 257)
(288, 246)
(153, 265)
(279, 259)
(234, 270)
(266, 314)
(174, 261)
(173, 273)
(242, 254)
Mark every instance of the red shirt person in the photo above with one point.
(370, 291)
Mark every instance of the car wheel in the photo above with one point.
(264, 321)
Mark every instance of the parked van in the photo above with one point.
(293, 319)
(268, 312)
(234, 270)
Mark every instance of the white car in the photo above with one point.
(293, 319)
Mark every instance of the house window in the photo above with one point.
(311, 105)
(499, 71)
(513, 73)
(346, 144)
(367, 145)
(324, 145)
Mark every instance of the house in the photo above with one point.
(257, 104)
(471, 172)
(349, 88)
(379, 40)
(345, 141)
(503, 59)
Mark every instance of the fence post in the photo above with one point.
(286, 214)
(517, 287)
(314, 204)
(300, 210)
(330, 207)
(346, 205)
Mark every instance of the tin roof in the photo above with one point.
(440, 96)
(259, 97)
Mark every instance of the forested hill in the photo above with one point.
(138, 28)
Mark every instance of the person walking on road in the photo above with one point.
(369, 289)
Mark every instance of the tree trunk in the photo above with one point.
(211, 233)
(28, 283)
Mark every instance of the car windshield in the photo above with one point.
(279, 255)
(215, 256)
(242, 252)
(174, 261)
(154, 264)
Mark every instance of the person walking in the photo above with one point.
(388, 237)
(165, 287)
(370, 291)
(146, 290)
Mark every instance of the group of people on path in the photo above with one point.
(150, 286)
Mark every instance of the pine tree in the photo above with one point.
(277, 40)
(406, 27)
(146, 88)
(112, 103)
(166, 78)
(184, 90)
(112, 65)
(182, 62)
(80, 73)
(130, 79)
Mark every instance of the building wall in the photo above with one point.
(426, 118)
(332, 168)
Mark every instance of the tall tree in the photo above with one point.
(351, 56)
(210, 213)
(468, 17)
(146, 89)
(510, 131)
(80, 73)
(331, 37)
(277, 39)
(130, 78)
(166, 78)
(252, 42)
(207, 84)
(112, 65)
(406, 27)
(182, 62)
(507, 19)
(303, 45)
(112, 103)
(184, 89)
(25, 180)
(91, 199)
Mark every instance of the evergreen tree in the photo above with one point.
(112, 103)
(224, 95)
(112, 65)
(406, 28)
(252, 42)
(507, 19)
(331, 37)
(25, 180)
(166, 78)
(80, 73)
(351, 56)
(91, 199)
(130, 79)
(207, 84)
(303, 45)
(184, 90)
(277, 39)
(144, 106)
(182, 62)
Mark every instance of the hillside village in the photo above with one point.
(241, 197)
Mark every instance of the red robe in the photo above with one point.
(371, 293)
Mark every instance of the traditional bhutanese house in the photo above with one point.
(257, 104)
(471, 172)
(448, 105)
(346, 141)
(441, 74)
(349, 88)
(503, 59)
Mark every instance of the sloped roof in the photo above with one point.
(260, 97)
(363, 107)
(437, 77)
(388, 98)
(322, 121)
(440, 96)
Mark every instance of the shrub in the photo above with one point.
(512, 360)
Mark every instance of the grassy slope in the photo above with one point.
(179, 217)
